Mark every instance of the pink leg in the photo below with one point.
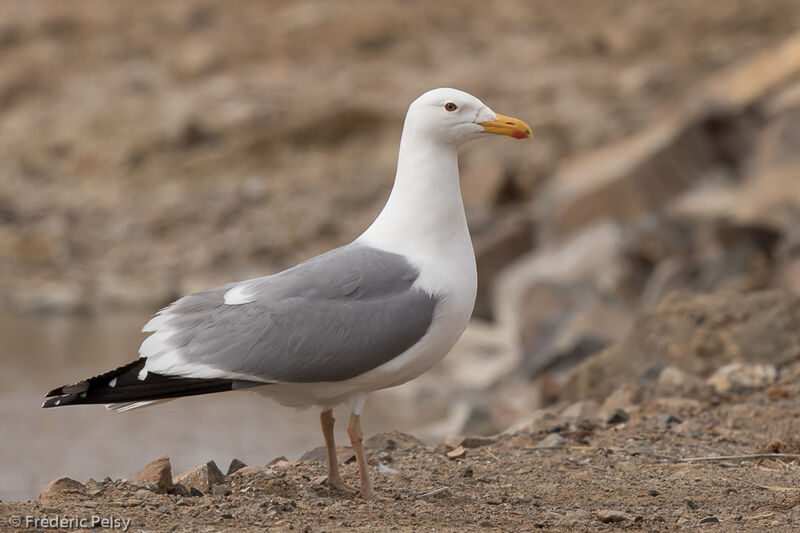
(334, 477)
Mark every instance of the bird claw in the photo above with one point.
(341, 486)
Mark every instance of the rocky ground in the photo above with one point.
(666, 451)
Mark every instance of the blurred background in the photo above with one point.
(152, 149)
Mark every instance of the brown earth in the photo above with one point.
(661, 470)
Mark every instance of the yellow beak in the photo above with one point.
(513, 127)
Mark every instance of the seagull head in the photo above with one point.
(454, 117)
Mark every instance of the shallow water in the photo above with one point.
(39, 445)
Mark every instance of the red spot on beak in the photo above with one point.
(518, 135)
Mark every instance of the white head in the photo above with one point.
(453, 117)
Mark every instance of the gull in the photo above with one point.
(369, 315)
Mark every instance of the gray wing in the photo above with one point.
(330, 318)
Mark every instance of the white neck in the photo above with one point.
(424, 216)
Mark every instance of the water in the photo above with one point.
(39, 445)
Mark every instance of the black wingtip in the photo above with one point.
(124, 384)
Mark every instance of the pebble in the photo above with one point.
(708, 520)
(457, 453)
(608, 516)
(553, 439)
(666, 420)
(383, 469)
(617, 416)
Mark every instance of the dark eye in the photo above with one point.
(450, 106)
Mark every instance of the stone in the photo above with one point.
(623, 397)
(202, 477)
(219, 489)
(278, 461)
(705, 331)
(457, 453)
(610, 516)
(158, 472)
(742, 377)
(551, 441)
(497, 243)
(673, 381)
(235, 465)
(617, 416)
(320, 455)
(61, 487)
(627, 179)
(708, 521)
(442, 449)
(544, 420)
(666, 420)
(392, 440)
(582, 410)
(753, 78)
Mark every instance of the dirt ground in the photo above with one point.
(676, 463)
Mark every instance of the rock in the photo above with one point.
(624, 397)
(705, 331)
(235, 465)
(739, 86)
(742, 377)
(708, 521)
(442, 449)
(552, 297)
(673, 381)
(564, 323)
(629, 178)
(392, 440)
(253, 470)
(320, 455)
(617, 416)
(384, 469)
(202, 477)
(551, 441)
(218, 489)
(158, 472)
(610, 516)
(582, 410)
(457, 453)
(540, 420)
(62, 487)
(497, 243)
(278, 461)
(666, 420)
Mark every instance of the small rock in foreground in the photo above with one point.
(158, 472)
(609, 516)
(551, 441)
(61, 487)
(201, 477)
